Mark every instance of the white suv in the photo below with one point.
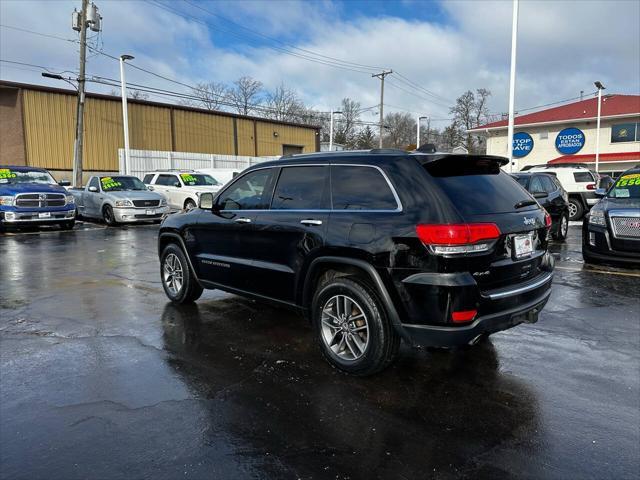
(579, 182)
(181, 187)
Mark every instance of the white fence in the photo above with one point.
(143, 161)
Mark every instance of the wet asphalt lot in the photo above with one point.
(100, 377)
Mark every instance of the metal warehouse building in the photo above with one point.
(37, 126)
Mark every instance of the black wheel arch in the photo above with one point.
(167, 237)
(346, 266)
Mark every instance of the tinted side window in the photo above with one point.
(302, 188)
(168, 180)
(536, 185)
(581, 177)
(547, 184)
(250, 192)
(147, 178)
(360, 188)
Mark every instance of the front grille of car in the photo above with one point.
(40, 200)
(146, 203)
(626, 227)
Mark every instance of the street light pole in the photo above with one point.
(600, 87)
(125, 113)
(418, 132)
(512, 83)
(331, 130)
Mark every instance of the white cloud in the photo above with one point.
(563, 47)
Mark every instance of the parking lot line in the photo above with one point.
(625, 274)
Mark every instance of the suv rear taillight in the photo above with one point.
(547, 219)
(591, 186)
(451, 239)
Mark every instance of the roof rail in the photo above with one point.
(173, 170)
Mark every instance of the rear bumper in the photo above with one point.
(430, 298)
(436, 336)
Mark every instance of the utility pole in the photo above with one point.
(331, 130)
(87, 17)
(77, 148)
(381, 77)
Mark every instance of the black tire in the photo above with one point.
(576, 209)
(108, 216)
(68, 225)
(382, 343)
(189, 290)
(560, 233)
(189, 204)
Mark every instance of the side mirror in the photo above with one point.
(177, 184)
(150, 188)
(601, 192)
(206, 201)
(64, 183)
(540, 195)
(93, 189)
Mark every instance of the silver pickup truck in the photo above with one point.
(119, 199)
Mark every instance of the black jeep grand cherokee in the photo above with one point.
(373, 246)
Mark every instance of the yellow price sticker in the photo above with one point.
(628, 180)
(6, 173)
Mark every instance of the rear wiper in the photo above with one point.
(524, 203)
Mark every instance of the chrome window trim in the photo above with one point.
(399, 207)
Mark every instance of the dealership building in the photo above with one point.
(37, 128)
(567, 134)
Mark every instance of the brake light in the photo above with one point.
(458, 238)
(591, 186)
(547, 219)
(463, 316)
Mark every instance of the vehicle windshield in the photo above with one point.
(198, 180)
(113, 184)
(626, 186)
(8, 175)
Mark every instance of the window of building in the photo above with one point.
(544, 135)
(360, 188)
(302, 188)
(625, 132)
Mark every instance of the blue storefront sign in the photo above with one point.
(570, 141)
(522, 144)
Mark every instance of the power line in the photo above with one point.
(11, 27)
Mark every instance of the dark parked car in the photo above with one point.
(611, 231)
(546, 188)
(373, 246)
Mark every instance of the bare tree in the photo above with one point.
(246, 92)
(210, 96)
(400, 130)
(345, 124)
(131, 93)
(470, 111)
(285, 105)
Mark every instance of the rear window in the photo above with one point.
(477, 186)
(583, 177)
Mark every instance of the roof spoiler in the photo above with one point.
(449, 157)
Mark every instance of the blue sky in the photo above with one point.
(442, 48)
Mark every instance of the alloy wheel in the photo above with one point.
(173, 275)
(564, 226)
(573, 210)
(345, 328)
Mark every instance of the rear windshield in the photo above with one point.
(477, 186)
(582, 177)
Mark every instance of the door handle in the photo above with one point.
(242, 220)
(311, 222)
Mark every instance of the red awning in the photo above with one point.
(591, 158)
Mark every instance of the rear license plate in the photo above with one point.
(523, 245)
(151, 212)
(44, 215)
